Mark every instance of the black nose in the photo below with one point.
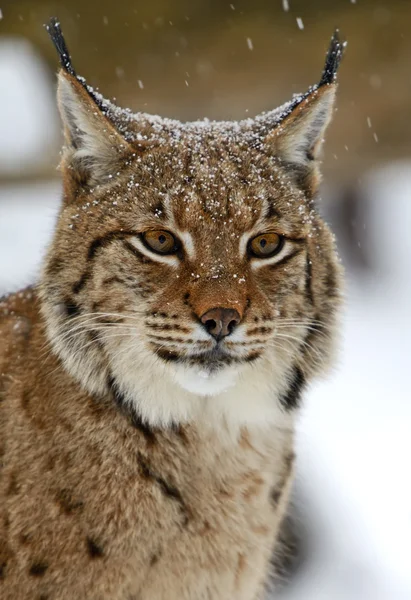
(220, 322)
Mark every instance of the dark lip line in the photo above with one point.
(209, 360)
(212, 354)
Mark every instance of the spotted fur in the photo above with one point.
(142, 457)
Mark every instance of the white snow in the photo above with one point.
(300, 23)
(27, 215)
(29, 124)
(354, 442)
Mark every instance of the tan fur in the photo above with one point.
(136, 463)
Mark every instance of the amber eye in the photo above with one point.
(265, 245)
(162, 242)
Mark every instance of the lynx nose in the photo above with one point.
(220, 322)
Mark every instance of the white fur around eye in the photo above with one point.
(188, 243)
(243, 243)
(167, 259)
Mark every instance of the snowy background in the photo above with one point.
(353, 488)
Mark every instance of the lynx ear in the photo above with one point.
(94, 149)
(298, 137)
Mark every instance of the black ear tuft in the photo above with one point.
(333, 59)
(59, 42)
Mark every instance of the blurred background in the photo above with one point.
(206, 58)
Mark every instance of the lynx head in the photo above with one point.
(190, 268)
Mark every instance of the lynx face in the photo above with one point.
(191, 256)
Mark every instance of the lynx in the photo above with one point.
(150, 381)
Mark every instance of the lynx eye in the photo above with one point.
(162, 242)
(266, 245)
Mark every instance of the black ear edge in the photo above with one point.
(333, 59)
(329, 75)
(54, 30)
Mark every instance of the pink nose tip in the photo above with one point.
(220, 322)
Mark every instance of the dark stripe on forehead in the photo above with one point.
(158, 208)
(290, 399)
(271, 211)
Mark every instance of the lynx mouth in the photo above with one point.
(211, 361)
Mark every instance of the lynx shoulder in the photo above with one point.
(149, 382)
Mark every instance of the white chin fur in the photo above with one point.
(201, 382)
